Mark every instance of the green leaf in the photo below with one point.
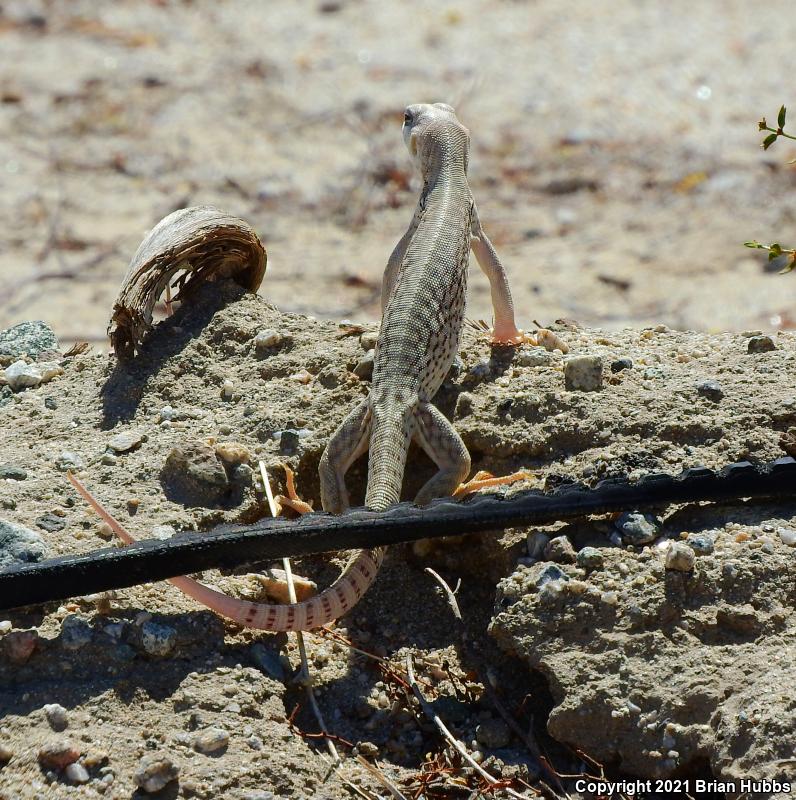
(781, 117)
(791, 265)
(774, 251)
(762, 125)
(769, 140)
(753, 243)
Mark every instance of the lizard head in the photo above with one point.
(428, 128)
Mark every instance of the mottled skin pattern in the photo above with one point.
(423, 298)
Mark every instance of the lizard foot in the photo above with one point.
(486, 480)
(292, 500)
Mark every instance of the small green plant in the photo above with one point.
(775, 249)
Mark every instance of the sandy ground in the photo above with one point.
(615, 153)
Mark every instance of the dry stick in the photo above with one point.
(526, 738)
(380, 776)
(306, 679)
(457, 745)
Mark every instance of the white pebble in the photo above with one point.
(787, 536)
(267, 338)
(76, 773)
(56, 716)
(226, 389)
(5, 626)
(680, 557)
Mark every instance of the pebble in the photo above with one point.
(51, 523)
(227, 388)
(68, 460)
(194, 475)
(621, 363)
(12, 472)
(233, 453)
(257, 795)
(364, 368)
(368, 339)
(19, 645)
(6, 753)
(163, 532)
(76, 773)
(712, 390)
(21, 375)
(154, 772)
(274, 581)
(27, 338)
(20, 545)
(464, 405)
(638, 529)
(680, 557)
(75, 633)
(560, 550)
(700, 543)
(787, 536)
(368, 749)
(532, 358)
(589, 558)
(268, 661)
(760, 344)
(289, 438)
(493, 733)
(126, 441)
(56, 716)
(537, 544)
(550, 573)
(267, 338)
(583, 373)
(58, 753)
(157, 639)
(211, 740)
(5, 626)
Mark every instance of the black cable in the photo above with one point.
(235, 546)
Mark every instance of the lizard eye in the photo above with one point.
(407, 118)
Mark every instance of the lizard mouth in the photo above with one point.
(410, 139)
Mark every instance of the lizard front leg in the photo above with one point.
(505, 330)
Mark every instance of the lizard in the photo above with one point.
(423, 301)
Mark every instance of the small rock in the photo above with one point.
(680, 557)
(760, 344)
(589, 558)
(227, 389)
(537, 544)
(51, 523)
(5, 626)
(493, 733)
(194, 475)
(154, 772)
(163, 531)
(12, 472)
(268, 661)
(560, 550)
(19, 645)
(27, 338)
(368, 340)
(233, 453)
(364, 368)
(549, 574)
(56, 716)
(211, 740)
(700, 543)
(257, 795)
(464, 405)
(711, 390)
(125, 441)
(68, 460)
(583, 373)
(21, 375)
(638, 529)
(51, 403)
(290, 438)
(157, 639)
(787, 536)
(274, 582)
(20, 545)
(368, 749)
(76, 773)
(75, 633)
(267, 338)
(6, 753)
(621, 364)
(532, 358)
(58, 754)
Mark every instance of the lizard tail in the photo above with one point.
(330, 604)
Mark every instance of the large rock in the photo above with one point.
(27, 338)
(662, 669)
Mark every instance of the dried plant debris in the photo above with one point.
(197, 244)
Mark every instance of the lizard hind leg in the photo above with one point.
(437, 436)
(347, 444)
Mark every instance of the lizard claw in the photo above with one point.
(486, 480)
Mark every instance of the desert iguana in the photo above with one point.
(423, 298)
